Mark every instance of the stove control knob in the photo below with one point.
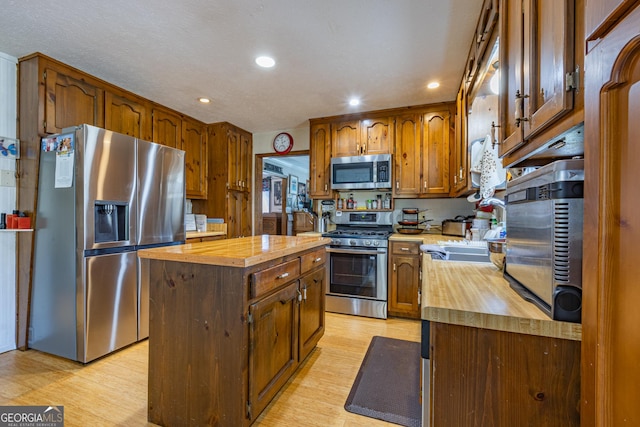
(367, 242)
(352, 242)
(376, 243)
(335, 241)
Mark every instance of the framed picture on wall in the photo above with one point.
(293, 184)
(276, 195)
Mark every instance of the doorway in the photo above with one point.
(282, 169)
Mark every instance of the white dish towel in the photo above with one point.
(489, 166)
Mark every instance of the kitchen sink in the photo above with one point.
(470, 250)
(474, 252)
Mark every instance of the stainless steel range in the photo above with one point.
(358, 263)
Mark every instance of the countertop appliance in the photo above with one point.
(370, 172)
(101, 197)
(457, 226)
(358, 255)
(544, 215)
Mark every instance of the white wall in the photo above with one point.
(8, 105)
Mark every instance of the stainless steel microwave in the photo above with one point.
(361, 172)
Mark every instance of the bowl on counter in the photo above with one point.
(497, 252)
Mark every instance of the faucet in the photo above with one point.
(494, 201)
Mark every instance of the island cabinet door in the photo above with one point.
(311, 311)
(273, 345)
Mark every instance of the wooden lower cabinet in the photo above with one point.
(302, 222)
(495, 378)
(224, 340)
(404, 279)
(312, 288)
(273, 345)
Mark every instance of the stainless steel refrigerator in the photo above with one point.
(101, 197)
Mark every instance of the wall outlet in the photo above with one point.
(7, 178)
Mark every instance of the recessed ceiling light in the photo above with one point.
(204, 100)
(354, 101)
(433, 85)
(265, 61)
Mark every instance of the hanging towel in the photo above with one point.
(489, 166)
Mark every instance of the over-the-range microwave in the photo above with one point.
(361, 172)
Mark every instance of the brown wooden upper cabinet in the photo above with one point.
(194, 143)
(127, 115)
(361, 137)
(320, 161)
(70, 101)
(459, 151)
(539, 71)
(239, 161)
(167, 128)
(421, 155)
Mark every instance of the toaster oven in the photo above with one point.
(456, 227)
(544, 215)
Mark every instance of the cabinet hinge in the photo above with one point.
(250, 318)
(44, 74)
(248, 410)
(572, 80)
(44, 124)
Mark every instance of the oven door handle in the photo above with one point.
(355, 251)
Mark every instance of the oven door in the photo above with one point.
(358, 272)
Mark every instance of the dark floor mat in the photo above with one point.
(388, 383)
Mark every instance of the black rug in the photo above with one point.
(388, 383)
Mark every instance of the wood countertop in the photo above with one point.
(238, 252)
(475, 294)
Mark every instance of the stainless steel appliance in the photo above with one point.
(457, 226)
(361, 172)
(358, 263)
(100, 198)
(544, 213)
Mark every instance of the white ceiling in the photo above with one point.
(172, 52)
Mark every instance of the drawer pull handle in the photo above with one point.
(317, 259)
(282, 276)
(404, 249)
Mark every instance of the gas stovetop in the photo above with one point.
(359, 237)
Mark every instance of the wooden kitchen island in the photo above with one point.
(495, 359)
(229, 323)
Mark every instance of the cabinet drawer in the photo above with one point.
(313, 259)
(268, 279)
(404, 248)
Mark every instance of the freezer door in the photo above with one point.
(161, 194)
(108, 180)
(109, 304)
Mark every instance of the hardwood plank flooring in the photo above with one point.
(113, 391)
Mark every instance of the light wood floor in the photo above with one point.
(113, 390)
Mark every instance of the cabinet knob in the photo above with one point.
(317, 259)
